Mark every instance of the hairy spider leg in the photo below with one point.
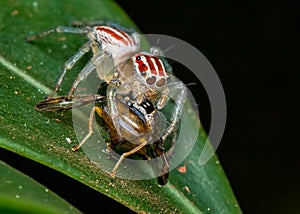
(59, 29)
(178, 89)
(101, 58)
(85, 48)
(69, 64)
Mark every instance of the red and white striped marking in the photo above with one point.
(115, 42)
(151, 69)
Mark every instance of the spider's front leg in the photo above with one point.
(102, 61)
(85, 48)
(59, 29)
(177, 93)
(111, 94)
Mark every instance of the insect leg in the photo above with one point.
(126, 154)
(62, 103)
(101, 113)
(85, 48)
(91, 118)
(59, 29)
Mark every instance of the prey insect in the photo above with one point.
(138, 115)
(138, 88)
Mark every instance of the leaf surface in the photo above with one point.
(27, 73)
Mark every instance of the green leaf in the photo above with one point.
(19, 193)
(29, 70)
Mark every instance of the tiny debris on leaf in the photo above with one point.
(68, 140)
(182, 169)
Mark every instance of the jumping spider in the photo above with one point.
(138, 88)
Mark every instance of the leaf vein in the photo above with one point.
(24, 76)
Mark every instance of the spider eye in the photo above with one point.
(138, 58)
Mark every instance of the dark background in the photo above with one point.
(254, 49)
